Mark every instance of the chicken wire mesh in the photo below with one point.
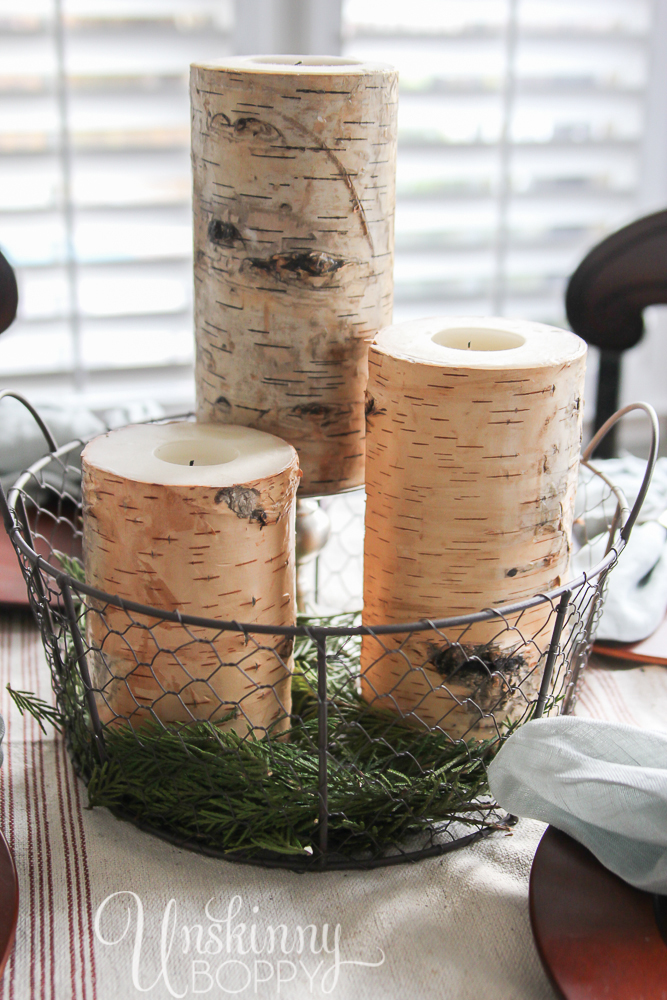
(327, 745)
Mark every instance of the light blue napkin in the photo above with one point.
(604, 783)
(636, 599)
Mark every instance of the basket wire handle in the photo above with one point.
(625, 531)
(50, 440)
(11, 525)
(22, 521)
(650, 464)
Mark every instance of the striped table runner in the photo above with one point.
(454, 927)
(42, 818)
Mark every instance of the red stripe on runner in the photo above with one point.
(47, 901)
(28, 721)
(589, 699)
(591, 705)
(12, 819)
(621, 711)
(49, 878)
(38, 805)
(68, 775)
(8, 796)
(601, 697)
(58, 748)
(89, 902)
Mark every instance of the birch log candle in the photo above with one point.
(473, 439)
(293, 162)
(197, 519)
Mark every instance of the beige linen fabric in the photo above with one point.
(453, 928)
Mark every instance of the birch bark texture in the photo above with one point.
(293, 162)
(197, 519)
(473, 440)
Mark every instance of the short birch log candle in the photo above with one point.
(293, 162)
(473, 440)
(197, 519)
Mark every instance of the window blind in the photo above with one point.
(95, 191)
(523, 141)
(520, 142)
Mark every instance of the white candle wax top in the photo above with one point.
(185, 451)
(307, 62)
(299, 65)
(480, 342)
(476, 339)
(181, 453)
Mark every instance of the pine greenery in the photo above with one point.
(202, 785)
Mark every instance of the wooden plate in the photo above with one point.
(9, 902)
(597, 936)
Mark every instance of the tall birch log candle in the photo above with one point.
(473, 440)
(197, 519)
(293, 162)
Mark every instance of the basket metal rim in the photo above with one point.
(316, 864)
(323, 858)
(250, 628)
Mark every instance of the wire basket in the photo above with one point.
(341, 778)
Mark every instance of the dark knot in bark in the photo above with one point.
(300, 265)
(242, 500)
(224, 234)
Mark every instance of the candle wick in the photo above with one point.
(192, 462)
(468, 349)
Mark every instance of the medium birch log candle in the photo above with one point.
(197, 519)
(293, 162)
(473, 439)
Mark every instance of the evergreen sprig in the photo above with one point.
(41, 711)
(202, 784)
(72, 566)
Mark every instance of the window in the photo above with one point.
(528, 130)
(523, 140)
(95, 191)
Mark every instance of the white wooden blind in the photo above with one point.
(95, 191)
(523, 141)
(520, 139)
